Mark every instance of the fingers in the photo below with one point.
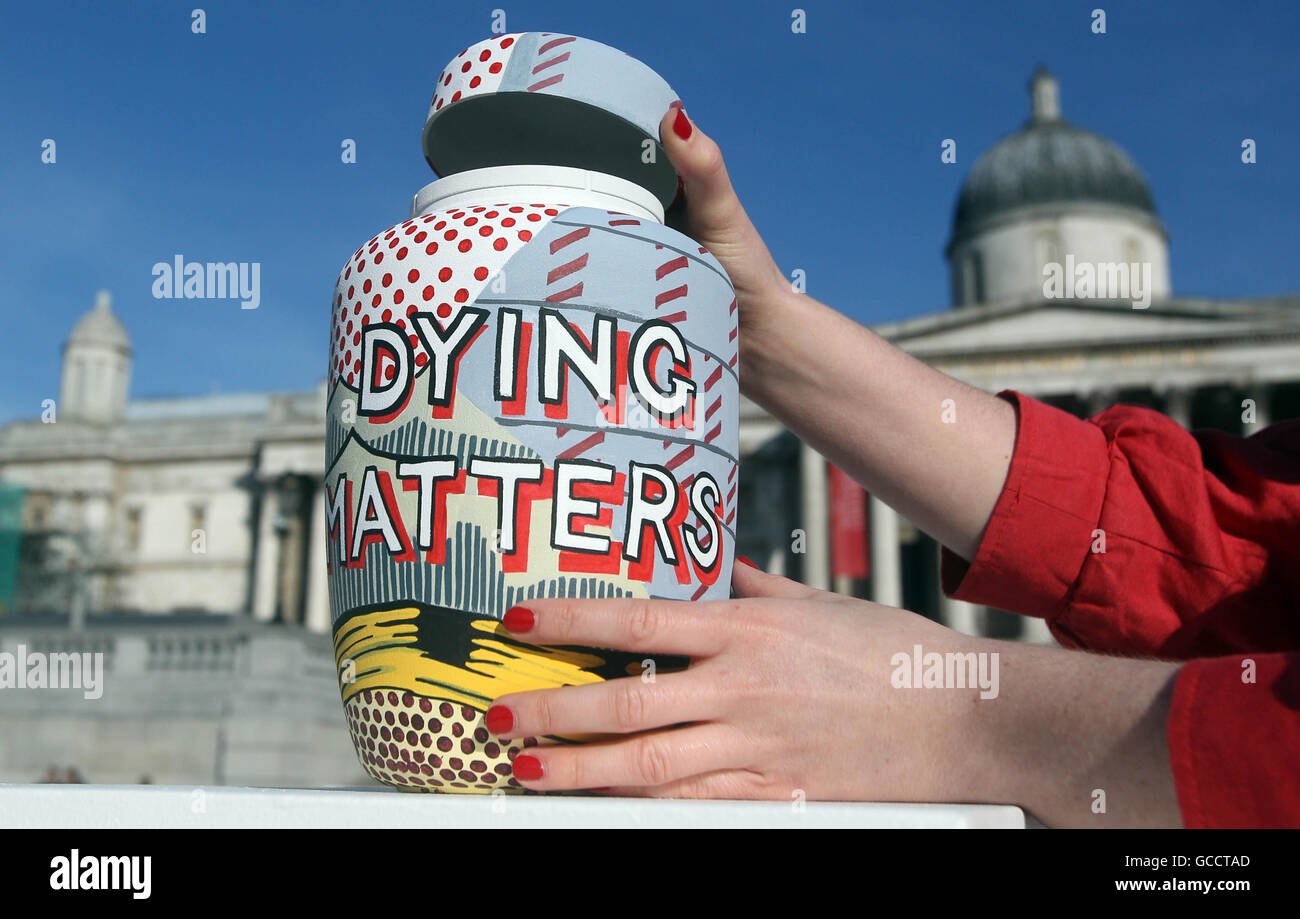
(665, 626)
(748, 581)
(622, 706)
(714, 215)
(714, 207)
(653, 759)
(739, 784)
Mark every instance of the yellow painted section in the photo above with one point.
(382, 647)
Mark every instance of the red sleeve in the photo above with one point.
(1200, 532)
(1234, 741)
(1202, 558)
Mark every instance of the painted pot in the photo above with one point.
(533, 392)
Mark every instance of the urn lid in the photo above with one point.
(549, 99)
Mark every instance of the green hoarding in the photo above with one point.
(11, 525)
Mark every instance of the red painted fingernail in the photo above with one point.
(519, 619)
(527, 768)
(499, 719)
(745, 561)
(682, 125)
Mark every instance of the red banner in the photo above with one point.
(850, 556)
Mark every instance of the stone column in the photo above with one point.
(959, 615)
(291, 533)
(1034, 631)
(886, 559)
(317, 607)
(267, 564)
(816, 518)
(1099, 400)
(1178, 405)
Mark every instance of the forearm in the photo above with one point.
(880, 415)
(1075, 739)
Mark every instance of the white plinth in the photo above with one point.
(147, 806)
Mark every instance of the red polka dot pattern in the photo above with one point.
(466, 248)
(477, 69)
(420, 743)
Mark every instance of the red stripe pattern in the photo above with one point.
(551, 62)
(582, 446)
(669, 295)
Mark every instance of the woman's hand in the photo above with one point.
(715, 218)
(838, 386)
(793, 691)
(788, 690)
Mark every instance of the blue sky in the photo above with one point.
(225, 147)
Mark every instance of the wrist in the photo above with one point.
(1074, 739)
(968, 727)
(1008, 737)
(769, 349)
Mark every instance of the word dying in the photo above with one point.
(389, 364)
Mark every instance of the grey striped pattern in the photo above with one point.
(418, 438)
(336, 436)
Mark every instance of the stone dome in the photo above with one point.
(1048, 161)
(100, 326)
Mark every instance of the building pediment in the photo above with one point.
(1073, 325)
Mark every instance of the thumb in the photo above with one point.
(715, 210)
(747, 581)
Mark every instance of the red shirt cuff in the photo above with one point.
(1041, 530)
(1234, 744)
